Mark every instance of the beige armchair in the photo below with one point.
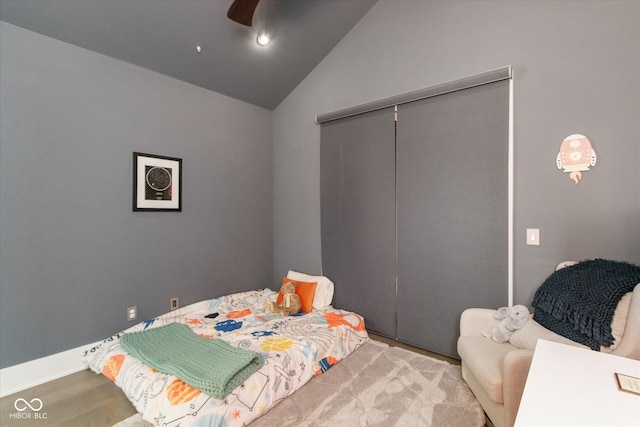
(496, 373)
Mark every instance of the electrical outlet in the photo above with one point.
(174, 304)
(132, 313)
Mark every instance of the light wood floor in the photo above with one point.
(81, 399)
(88, 399)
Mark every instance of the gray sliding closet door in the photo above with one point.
(452, 201)
(357, 187)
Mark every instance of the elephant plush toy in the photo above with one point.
(511, 318)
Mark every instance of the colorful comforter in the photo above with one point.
(294, 350)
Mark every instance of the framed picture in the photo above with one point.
(628, 383)
(157, 183)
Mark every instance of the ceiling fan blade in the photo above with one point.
(241, 11)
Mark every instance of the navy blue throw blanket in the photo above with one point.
(578, 302)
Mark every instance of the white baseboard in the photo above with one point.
(39, 371)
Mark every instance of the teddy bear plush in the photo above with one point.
(290, 301)
(511, 318)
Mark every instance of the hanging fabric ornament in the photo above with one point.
(576, 155)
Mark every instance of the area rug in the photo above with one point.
(377, 385)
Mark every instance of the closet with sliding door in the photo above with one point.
(416, 202)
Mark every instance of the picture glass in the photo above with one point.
(157, 182)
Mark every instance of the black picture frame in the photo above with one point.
(157, 183)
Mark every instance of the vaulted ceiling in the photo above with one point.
(163, 36)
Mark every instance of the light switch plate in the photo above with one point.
(533, 236)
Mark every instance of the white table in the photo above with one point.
(572, 386)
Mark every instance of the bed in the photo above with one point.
(292, 349)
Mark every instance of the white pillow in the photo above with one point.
(324, 290)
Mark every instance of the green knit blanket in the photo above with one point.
(210, 365)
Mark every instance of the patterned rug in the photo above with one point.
(377, 385)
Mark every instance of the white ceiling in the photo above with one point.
(162, 35)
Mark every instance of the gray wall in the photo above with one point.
(577, 70)
(73, 255)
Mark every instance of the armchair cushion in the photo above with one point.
(527, 336)
(619, 321)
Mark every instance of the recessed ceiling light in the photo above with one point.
(263, 39)
(199, 49)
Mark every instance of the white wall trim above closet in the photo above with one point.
(502, 73)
